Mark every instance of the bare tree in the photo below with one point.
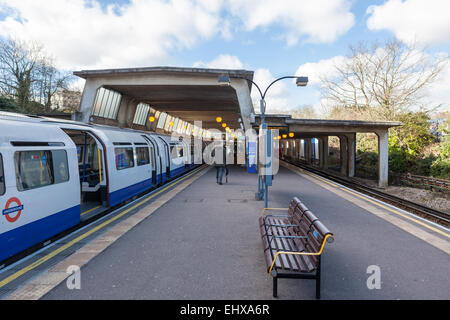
(49, 81)
(17, 63)
(305, 112)
(28, 75)
(382, 82)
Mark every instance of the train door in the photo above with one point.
(186, 153)
(166, 153)
(92, 170)
(156, 161)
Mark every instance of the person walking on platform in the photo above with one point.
(221, 166)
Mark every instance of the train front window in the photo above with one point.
(2, 177)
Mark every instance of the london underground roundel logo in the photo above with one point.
(11, 209)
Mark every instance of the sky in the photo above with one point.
(273, 38)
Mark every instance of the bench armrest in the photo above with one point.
(302, 253)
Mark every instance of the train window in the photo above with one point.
(60, 166)
(35, 169)
(124, 158)
(142, 156)
(2, 177)
(176, 151)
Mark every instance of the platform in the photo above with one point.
(205, 244)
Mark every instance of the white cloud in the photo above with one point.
(319, 20)
(438, 93)
(140, 33)
(83, 35)
(223, 61)
(426, 22)
(277, 98)
(315, 70)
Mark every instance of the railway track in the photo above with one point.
(430, 214)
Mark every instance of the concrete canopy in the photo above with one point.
(308, 128)
(191, 94)
(189, 102)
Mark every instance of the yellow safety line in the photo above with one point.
(319, 178)
(85, 235)
(90, 210)
(301, 253)
(385, 207)
(399, 213)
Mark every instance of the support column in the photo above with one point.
(123, 110)
(245, 102)
(291, 149)
(383, 158)
(131, 111)
(87, 101)
(308, 150)
(325, 152)
(344, 155)
(351, 148)
(320, 153)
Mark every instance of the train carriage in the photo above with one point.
(53, 174)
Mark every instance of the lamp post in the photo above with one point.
(224, 80)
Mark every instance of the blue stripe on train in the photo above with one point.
(176, 172)
(124, 194)
(21, 238)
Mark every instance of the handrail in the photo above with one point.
(302, 253)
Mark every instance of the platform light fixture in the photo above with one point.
(219, 119)
(291, 134)
(284, 136)
(301, 81)
(224, 125)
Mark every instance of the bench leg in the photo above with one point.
(275, 287)
(318, 281)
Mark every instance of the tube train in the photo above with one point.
(55, 174)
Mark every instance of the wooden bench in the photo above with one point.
(293, 243)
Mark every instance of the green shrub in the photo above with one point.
(424, 165)
(440, 168)
(398, 160)
(7, 105)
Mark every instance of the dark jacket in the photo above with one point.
(224, 160)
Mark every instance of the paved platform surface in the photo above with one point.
(205, 244)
